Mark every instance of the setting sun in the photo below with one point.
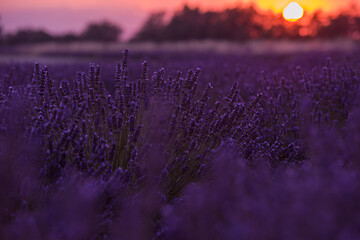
(293, 12)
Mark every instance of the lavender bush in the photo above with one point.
(230, 151)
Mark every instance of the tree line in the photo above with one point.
(242, 24)
(103, 31)
(234, 24)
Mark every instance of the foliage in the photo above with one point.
(245, 23)
(95, 32)
(172, 156)
(28, 36)
(154, 24)
(102, 32)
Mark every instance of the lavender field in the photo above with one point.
(193, 145)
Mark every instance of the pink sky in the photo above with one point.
(59, 16)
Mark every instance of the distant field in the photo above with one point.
(84, 50)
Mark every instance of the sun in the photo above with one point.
(293, 12)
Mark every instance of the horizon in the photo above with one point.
(58, 17)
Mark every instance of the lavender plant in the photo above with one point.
(180, 156)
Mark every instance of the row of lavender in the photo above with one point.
(166, 156)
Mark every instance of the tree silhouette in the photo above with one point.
(28, 36)
(102, 32)
(243, 24)
(153, 28)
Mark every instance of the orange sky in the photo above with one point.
(72, 15)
